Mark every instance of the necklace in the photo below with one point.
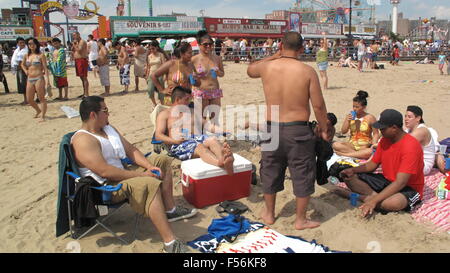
(289, 57)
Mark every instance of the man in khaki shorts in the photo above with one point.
(290, 86)
(98, 149)
(103, 66)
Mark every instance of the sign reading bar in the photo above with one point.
(251, 29)
(243, 27)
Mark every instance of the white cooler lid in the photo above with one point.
(198, 169)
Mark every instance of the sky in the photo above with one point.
(411, 9)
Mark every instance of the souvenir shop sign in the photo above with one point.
(134, 26)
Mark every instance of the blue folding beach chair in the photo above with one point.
(68, 176)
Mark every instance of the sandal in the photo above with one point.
(231, 207)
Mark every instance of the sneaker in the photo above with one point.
(177, 247)
(180, 213)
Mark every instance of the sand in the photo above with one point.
(30, 149)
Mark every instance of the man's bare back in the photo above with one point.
(290, 84)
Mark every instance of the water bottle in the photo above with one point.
(213, 74)
(354, 199)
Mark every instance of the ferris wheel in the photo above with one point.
(337, 11)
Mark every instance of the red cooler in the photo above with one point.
(205, 184)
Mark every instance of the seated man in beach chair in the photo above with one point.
(400, 185)
(98, 149)
(175, 126)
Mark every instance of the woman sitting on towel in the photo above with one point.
(363, 138)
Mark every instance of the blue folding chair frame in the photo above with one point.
(72, 178)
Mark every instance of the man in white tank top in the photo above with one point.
(427, 137)
(98, 149)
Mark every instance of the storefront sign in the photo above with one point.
(370, 30)
(12, 33)
(245, 27)
(319, 29)
(135, 26)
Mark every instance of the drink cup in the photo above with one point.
(191, 79)
(447, 163)
(213, 74)
(354, 199)
(353, 114)
(185, 133)
(442, 149)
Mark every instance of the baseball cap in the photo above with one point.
(417, 111)
(388, 118)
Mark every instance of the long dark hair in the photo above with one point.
(38, 46)
(202, 35)
(181, 48)
(361, 97)
(155, 44)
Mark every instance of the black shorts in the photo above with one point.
(378, 182)
(296, 150)
(94, 62)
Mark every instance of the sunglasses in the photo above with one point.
(105, 110)
(207, 44)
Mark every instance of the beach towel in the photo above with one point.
(432, 210)
(254, 238)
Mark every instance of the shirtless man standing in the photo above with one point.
(123, 64)
(80, 54)
(290, 85)
(103, 66)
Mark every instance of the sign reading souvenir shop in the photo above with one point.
(12, 33)
(122, 26)
(245, 28)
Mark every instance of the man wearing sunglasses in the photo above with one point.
(99, 150)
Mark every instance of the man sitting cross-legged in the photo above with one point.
(400, 186)
(175, 127)
(98, 149)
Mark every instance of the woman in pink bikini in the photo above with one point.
(208, 68)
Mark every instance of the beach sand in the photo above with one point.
(29, 166)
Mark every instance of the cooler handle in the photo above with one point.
(185, 183)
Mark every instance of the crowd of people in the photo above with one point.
(402, 144)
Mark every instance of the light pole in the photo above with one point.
(394, 4)
(350, 23)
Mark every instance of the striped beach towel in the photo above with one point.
(432, 209)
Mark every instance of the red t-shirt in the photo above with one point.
(405, 156)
